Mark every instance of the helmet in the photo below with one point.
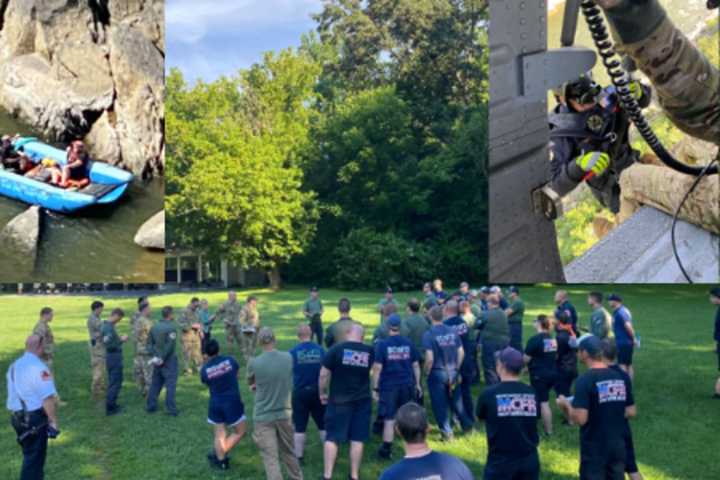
(584, 90)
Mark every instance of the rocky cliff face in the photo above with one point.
(91, 69)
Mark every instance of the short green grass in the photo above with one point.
(675, 432)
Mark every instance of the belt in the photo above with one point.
(18, 413)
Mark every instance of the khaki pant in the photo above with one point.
(249, 341)
(275, 441)
(663, 188)
(192, 351)
(143, 372)
(97, 362)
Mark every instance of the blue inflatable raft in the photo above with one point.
(107, 183)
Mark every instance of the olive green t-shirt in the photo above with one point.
(313, 307)
(600, 323)
(496, 327)
(518, 308)
(273, 382)
(416, 325)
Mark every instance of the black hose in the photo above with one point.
(621, 81)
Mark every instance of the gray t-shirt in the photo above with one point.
(273, 381)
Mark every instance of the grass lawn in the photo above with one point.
(675, 431)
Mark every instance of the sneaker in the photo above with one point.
(384, 453)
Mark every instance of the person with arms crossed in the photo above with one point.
(420, 462)
(603, 401)
(395, 379)
(270, 377)
(307, 360)
(510, 411)
(32, 399)
(225, 407)
(346, 369)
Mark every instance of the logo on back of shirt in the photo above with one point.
(308, 356)
(460, 329)
(516, 405)
(219, 370)
(354, 358)
(549, 345)
(611, 391)
(398, 353)
(446, 340)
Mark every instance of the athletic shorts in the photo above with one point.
(625, 354)
(227, 411)
(563, 383)
(525, 468)
(306, 402)
(392, 399)
(603, 467)
(542, 385)
(348, 421)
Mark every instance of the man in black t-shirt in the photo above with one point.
(510, 410)
(715, 300)
(602, 402)
(346, 367)
(541, 357)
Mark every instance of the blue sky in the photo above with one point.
(209, 38)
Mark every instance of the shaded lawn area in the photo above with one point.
(675, 432)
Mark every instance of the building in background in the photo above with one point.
(188, 268)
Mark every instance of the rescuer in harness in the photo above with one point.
(589, 138)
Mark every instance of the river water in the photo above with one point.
(686, 14)
(92, 247)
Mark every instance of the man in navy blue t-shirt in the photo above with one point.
(225, 407)
(420, 462)
(443, 356)
(624, 333)
(307, 360)
(346, 367)
(468, 368)
(510, 410)
(396, 378)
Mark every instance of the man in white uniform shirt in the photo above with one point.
(32, 399)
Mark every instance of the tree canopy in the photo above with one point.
(372, 137)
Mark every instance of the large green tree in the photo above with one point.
(235, 185)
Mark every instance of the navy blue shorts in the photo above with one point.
(227, 411)
(542, 385)
(348, 421)
(625, 354)
(306, 402)
(523, 468)
(563, 383)
(391, 400)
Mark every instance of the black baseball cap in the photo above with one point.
(614, 297)
(511, 358)
(514, 289)
(715, 292)
(591, 344)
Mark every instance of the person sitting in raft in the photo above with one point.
(76, 166)
(20, 166)
(9, 157)
(46, 171)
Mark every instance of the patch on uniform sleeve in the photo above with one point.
(172, 335)
(45, 376)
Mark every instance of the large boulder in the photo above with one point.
(75, 70)
(23, 233)
(152, 233)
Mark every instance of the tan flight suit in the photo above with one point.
(142, 370)
(97, 355)
(191, 340)
(230, 312)
(249, 326)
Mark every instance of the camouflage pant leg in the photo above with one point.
(143, 373)
(248, 345)
(686, 83)
(233, 336)
(664, 188)
(191, 351)
(97, 363)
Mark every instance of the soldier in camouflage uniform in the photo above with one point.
(42, 330)
(249, 327)
(688, 88)
(142, 369)
(97, 349)
(230, 312)
(136, 315)
(191, 327)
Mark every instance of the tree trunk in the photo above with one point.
(274, 278)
